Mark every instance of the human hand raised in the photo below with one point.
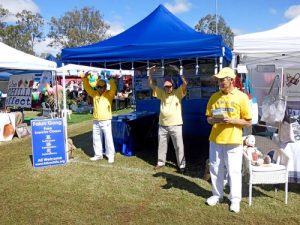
(84, 74)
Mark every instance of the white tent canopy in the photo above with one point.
(75, 70)
(279, 46)
(11, 58)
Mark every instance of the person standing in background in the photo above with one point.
(170, 119)
(102, 115)
(228, 111)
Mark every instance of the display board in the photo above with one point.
(48, 145)
(19, 91)
(291, 84)
(7, 126)
(200, 85)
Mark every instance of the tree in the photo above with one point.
(77, 28)
(207, 25)
(30, 26)
(24, 33)
(3, 14)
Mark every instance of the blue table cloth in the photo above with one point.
(130, 131)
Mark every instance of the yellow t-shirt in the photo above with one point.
(170, 106)
(102, 103)
(236, 105)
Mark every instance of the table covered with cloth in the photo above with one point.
(293, 151)
(131, 131)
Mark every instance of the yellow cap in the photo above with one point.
(225, 72)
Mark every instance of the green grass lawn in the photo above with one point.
(75, 117)
(126, 192)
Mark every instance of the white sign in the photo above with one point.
(291, 84)
(19, 91)
(7, 126)
(266, 68)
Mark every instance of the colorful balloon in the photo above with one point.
(93, 79)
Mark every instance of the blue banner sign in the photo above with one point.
(48, 145)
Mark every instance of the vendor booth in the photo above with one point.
(48, 135)
(15, 61)
(73, 82)
(272, 53)
(162, 39)
(269, 53)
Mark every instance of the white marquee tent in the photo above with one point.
(75, 70)
(11, 58)
(279, 46)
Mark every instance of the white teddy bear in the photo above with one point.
(257, 158)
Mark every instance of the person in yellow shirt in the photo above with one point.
(102, 115)
(170, 119)
(228, 111)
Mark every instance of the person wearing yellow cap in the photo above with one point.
(228, 111)
(170, 119)
(102, 115)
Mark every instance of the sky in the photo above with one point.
(242, 16)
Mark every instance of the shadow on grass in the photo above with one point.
(31, 159)
(181, 183)
(256, 192)
(145, 145)
(196, 153)
(293, 187)
(84, 142)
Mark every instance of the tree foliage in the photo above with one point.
(3, 14)
(207, 25)
(24, 33)
(77, 28)
(31, 27)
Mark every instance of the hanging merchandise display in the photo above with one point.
(253, 101)
(273, 105)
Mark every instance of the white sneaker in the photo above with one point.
(235, 207)
(213, 200)
(96, 157)
(111, 160)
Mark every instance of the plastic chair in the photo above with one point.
(47, 112)
(67, 111)
(274, 173)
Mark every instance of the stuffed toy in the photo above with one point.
(257, 158)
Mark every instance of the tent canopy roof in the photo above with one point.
(160, 35)
(14, 59)
(75, 70)
(280, 45)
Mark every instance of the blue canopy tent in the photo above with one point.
(54, 59)
(160, 35)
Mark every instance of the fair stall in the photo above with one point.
(72, 72)
(19, 88)
(270, 53)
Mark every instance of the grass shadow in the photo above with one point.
(256, 192)
(179, 182)
(84, 142)
(293, 187)
(31, 159)
(196, 153)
